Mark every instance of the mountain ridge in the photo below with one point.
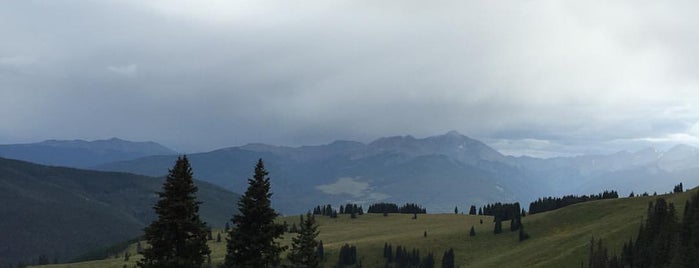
(65, 212)
(82, 153)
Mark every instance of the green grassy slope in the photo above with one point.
(558, 238)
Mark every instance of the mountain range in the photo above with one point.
(439, 172)
(80, 153)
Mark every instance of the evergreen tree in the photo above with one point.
(348, 255)
(304, 246)
(472, 211)
(448, 259)
(177, 237)
(498, 226)
(251, 239)
(428, 262)
(472, 232)
(522, 234)
(456, 210)
(320, 251)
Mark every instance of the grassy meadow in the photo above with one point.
(559, 238)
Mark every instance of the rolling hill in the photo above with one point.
(64, 212)
(80, 153)
(559, 238)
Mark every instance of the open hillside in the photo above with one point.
(63, 213)
(559, 238)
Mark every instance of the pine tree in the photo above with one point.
(472, 232)
(428, 262)
(448, 259)
(472, 211)
(456, 210)
(304, 246)
(178, 236)
(320, 251)
(498, 226)
(251, 239)
(522, 234)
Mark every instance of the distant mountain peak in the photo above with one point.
(453, 133)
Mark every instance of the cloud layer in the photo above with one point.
(565, 77)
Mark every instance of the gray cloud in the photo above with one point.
(196, 76)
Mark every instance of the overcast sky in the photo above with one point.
(541, 78)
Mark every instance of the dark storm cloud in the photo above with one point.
(561, 77)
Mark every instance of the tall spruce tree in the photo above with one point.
(304, 247)
(251, 239)
(178, 236)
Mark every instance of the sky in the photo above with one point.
(539, 78)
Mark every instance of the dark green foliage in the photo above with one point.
(678, 188)
(551, 203)
(515, 223)
(351, 209)
(320, 251)
(404, 257)
(522, 234)
(428, 261)
(456, 210)
(388, 252)
(304, 247)
(472, 211)
(502, 211)
(472, 232)
(598, 255)
(424, 234)
(178, 237)
(326, 210)
(448, 259)
(293, 228)
(408, 208)
(661, 240)
(251, 239)
(348, 255)
(498, 226)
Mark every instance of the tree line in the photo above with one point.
(408, 208)
(178, 236)
(502, 211)
(551, 203)
(661, 241)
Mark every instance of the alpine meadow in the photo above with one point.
(381, 134)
